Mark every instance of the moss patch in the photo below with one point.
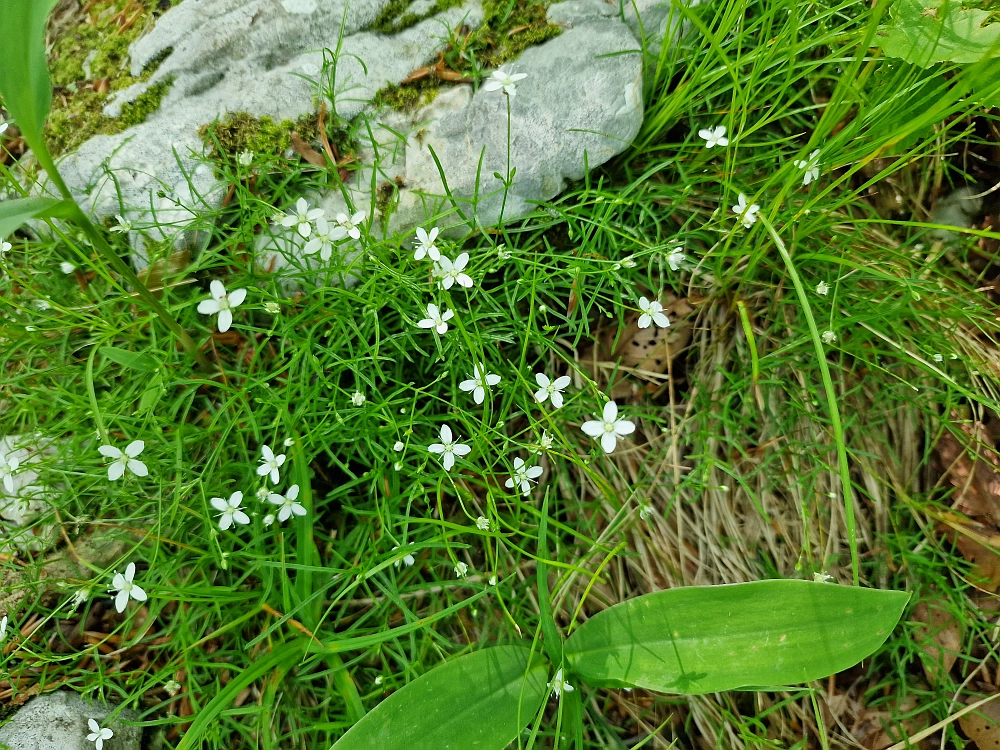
(241, 131)
(396, 16)
(508, 29)
(88, 62)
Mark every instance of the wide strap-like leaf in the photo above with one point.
(24, 72)
(704, 639)
(482, 700)
(15, 213)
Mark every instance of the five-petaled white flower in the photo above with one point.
(8, 465)
(123, 460)
(811, 167)
(66, 267)
(288, 503)
(222, 302)
(828, 337)
(551, 389)
(747, 214)
(449, 448)
(358, 399)
(436, 319)
(822, 289)
(714, 136)
(461, 570)
(323, 239)
(675, 257)
(230, 510)
(652, 312)
(610, 429)
(303, 218)
(124, 225)
(245, 158)
(126, 588)
(425, 244)
(406, 559)
(523, 476)
(270, 463)
(560, 685)
(478, 382)
(501, 79)
(483, 523)
(97, 734)
(350, 225)
(453, 272)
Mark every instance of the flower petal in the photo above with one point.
(134, 448)
(542, 379)
(121, 601)
(138, 593)
(608, 442)
(138, 468)
(109, 451)
(446, 436)
(116, 470)
(461, 449)
(561, 382)
(610, 411)
(219, 504)
(217, 289)
(209, 306)
(225, 320)
(592, 428)
(236, 297)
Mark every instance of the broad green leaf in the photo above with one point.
(703, 639)
(131, 360)
(24, 72)
(16, 213)
(482, 700)
(925, 32)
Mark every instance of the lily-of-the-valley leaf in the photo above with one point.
(705, 639)
(482, 700)
(925, 32)
(16, 213)
(24, 72)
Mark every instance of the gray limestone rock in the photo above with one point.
(58, 721)
(580, 105)
(255, 56)
(22, 497)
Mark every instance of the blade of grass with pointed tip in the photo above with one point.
(705, 639)
(482, 700)
(24, 71)
(16, 213)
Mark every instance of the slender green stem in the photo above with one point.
(111, 257)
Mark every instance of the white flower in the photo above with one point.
(747, 214)
(222, 302)
(559, 684)
(939, 358)
(323, 240)
(303, 218)
(124, 459)
(493, 580)
(551, 389)
(288, 503)
(67, 268)
(3, 127)
(398, 446)
(675, 257)
(811, 166)
(478, 382)
(124, 225)
(629, 262)
(350, 225)
(822, 577)
(714, 136)
(482, 523)
(828, 337)
(406, 559)
(288, 442)
(262, 493)
(501, 79)
(436, 319)
(503, 253)
(8, 465)
(3, 628)
(449, 448)
(609, 428)
(272, 307)
(270, 463)
(230, 510)
(172, 687)
(545, 441)
(461, 570)
(79, 598)
(378, 680)
(245, 158)
(523, 476)
(652, 312)
(451, 273)
(358, 399)
(822, 289)
(268, 519)
(425, 244)
(4, 247)
(126, 588)
(97, 734)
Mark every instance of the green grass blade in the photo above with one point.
(482, 700)
(705, 639)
